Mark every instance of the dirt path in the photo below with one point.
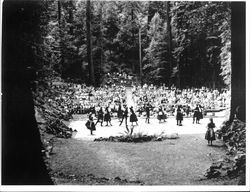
(170, 162)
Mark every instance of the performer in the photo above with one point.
(92, 110)
(161, 115)
(197, 114)
(179, 116)
(119, 112)
(188, 111)
(90, 124)
(125, 116)
(201, 112)
(107, 116)
(210, 135)
(99, 116)
(133, 117)
(147, 109)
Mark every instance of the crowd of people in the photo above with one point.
(118, 78)
(171, 100)
(107, 96)
(69, 98)
(149, 101)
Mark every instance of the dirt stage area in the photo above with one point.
(181, 161)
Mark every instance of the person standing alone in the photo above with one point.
(147, 109)
(90, 124)
(210, 135)
(107, 117)
(197, 114)
(179, 116)
(133, 117)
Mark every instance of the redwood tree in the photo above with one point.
(89, 44)
(238, 78)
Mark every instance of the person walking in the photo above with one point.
(125, 116)
(210, 135)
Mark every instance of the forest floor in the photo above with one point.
(181, 161)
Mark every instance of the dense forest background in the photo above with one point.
(46, 39)
(187, 44)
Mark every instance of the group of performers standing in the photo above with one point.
(105, 116)
(123, 114)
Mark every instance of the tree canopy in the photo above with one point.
(187, 44)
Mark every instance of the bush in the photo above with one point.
(58, 128)
(138, 138)
(234, 136)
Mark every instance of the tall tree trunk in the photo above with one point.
(60, 37)
(22, 160)
(89, 44)
(133, 37)
(71, 17)
(101, 37)
(169, 31)
(148, 24)
(150, 15)
(178, 75)
(59, 12)
(140, 62)
(238, 84)
(213, 79)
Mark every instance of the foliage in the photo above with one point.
(198, 41)
(138, 137)
(193, 49)
(234, 136)
(225, 55)
(155, 60)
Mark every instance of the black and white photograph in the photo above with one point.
(124, 93)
